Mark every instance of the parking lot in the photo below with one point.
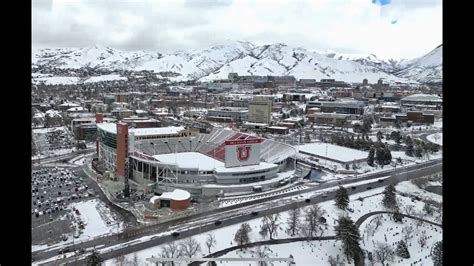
(52, 190)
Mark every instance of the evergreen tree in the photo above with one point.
(396, 136)
(341, 198)
(428, 208)
(94, 259)
(418, 151)
(348, 233)
(293, 221)
(370, 158)
(389, 197)
(379, 136)
(380, 155)
(402, 250)
(397, 216)
(437, 253)
(388, 156)
(409, 146)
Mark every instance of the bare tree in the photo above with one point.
(242, 234)
(210, 241)
(189, 247)
(312, 221)
(262, 252)
(335, 261)
(378, 221)
(383, 253)
(171, 250)
(120, 260)
(422, 239)
(135, 261)
(407, 232)
(370, 229)
(408, 209)
(270, 225)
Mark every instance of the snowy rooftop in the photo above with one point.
(69, 105)
(190, 160)
(76, 109)
(261, 166)
(177, 194)
(335, 152)
(156, 131)
(53, 113)
(112, 128)
(423, 97)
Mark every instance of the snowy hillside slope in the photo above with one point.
(245, 58)
(428, 68)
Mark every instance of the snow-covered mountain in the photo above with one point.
(428, 68)
(245, 58)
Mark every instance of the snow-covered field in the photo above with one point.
(436, 138)
(332, 151)
(317, 252)
(104, 78)
(56, 80)
(95, 216)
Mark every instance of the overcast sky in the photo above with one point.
(387, 28)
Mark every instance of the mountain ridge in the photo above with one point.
(246, 58)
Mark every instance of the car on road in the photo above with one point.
(307, 200)
(380, 180)
(350, 210)
(175, 234)
(64, 250)
(217, 223)
(325, 195)
(254, 213)
(353, 187)
(369, 187)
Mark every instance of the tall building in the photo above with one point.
(260, 110)
(365, 82)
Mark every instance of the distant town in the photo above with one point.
(145, 169)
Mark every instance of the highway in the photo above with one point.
(203, 222)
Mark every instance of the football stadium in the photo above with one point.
(205, 165)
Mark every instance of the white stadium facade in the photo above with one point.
(168, 158)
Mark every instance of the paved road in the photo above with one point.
(203, 222)
(62, 157)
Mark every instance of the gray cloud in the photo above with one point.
(208, 3)
(170, 25)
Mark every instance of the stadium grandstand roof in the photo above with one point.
(112, 128)
(423, 98)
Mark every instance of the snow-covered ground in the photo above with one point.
(104, 78)
(436, 138)
(317, 252)
(98, 220)
(409, 187)
(334, 152)
(56, 80)
(95, 216)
